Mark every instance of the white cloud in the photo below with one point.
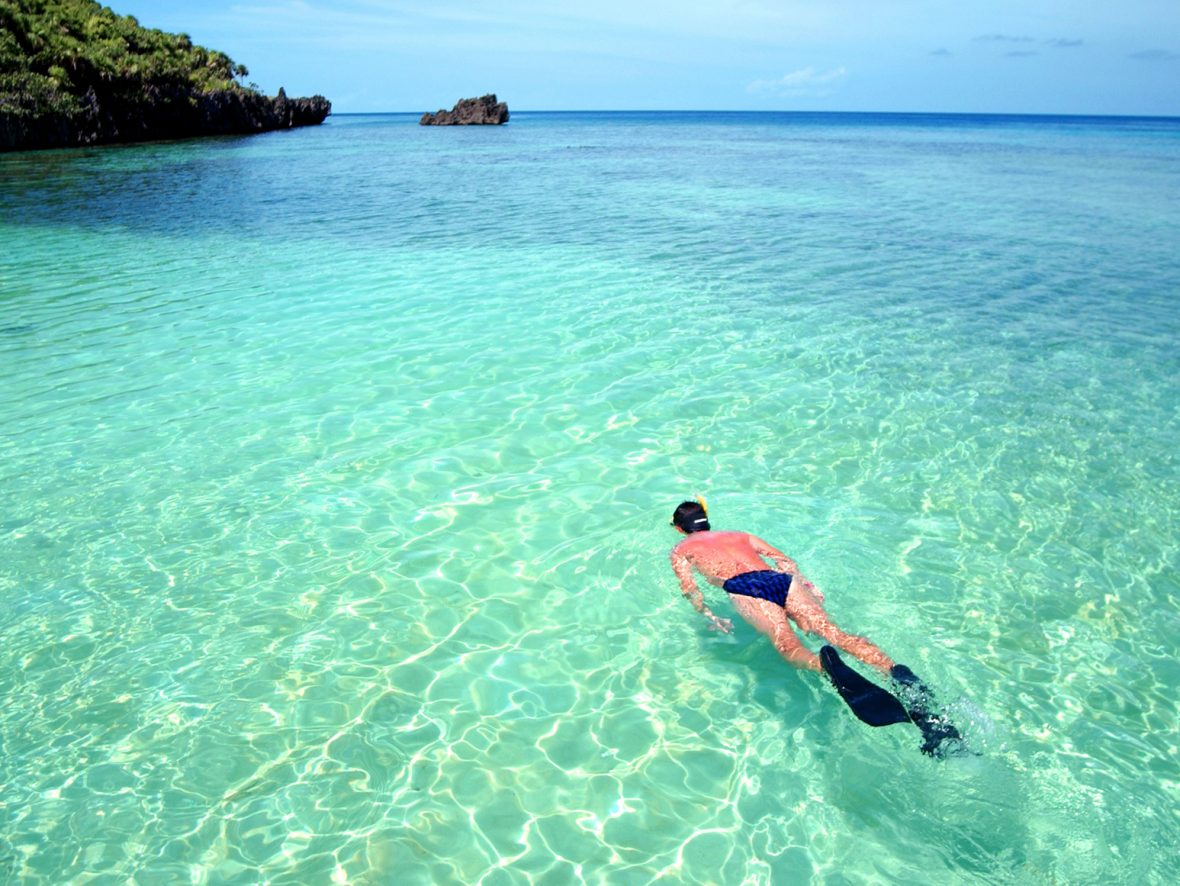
(1155, 55)
(1003, 38)
(805, 81)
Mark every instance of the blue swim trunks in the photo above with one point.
(763, 585)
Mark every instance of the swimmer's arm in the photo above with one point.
(688, 587)
(783, 563)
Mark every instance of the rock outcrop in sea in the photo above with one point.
(481, 111)
(74, 73)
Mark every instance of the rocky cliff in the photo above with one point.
(74, 73)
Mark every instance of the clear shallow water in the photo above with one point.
(336, 468)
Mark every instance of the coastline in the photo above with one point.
(174, 115)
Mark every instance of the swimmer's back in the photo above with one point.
(720, 556)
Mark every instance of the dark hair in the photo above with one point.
(691, 517)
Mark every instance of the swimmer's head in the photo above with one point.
(690, 517)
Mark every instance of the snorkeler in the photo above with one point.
(771, 599)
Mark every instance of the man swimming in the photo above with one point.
(771, 599)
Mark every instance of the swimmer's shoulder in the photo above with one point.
(733, 536)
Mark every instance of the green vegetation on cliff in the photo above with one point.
(53, 51)
(75, 72)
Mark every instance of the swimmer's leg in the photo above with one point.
(809, 614)
(771, 620)
(870, 703)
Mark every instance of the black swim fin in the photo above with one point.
(870, 703)
(940, 737)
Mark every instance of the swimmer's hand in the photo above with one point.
(720, 624)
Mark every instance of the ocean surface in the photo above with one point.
(336, 468)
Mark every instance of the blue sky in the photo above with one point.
(977, 56)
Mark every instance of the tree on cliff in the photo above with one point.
(73, 71)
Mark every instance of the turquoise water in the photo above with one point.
(336, 468)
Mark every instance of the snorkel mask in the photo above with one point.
(692, 517)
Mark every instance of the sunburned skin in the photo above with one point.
(719, 556)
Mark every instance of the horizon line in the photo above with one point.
(1091, 115)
